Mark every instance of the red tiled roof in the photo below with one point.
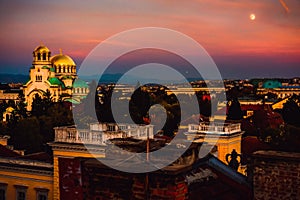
(252, 107)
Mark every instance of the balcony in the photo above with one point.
(214, 128)
(99, 133)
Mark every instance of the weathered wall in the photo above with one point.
(276, 175)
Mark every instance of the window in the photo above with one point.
(38, 78)
(21, 192)
(39, 56)
(44, 56)
(21, 195)
(41, 193)
(3, 191)
(42, 196)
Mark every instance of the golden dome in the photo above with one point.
(42, 48)
(61, 59)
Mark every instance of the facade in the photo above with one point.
(276, 175)
(100, 133)
(282, 90)
(194, 179)
(24, 177)
(226, 137)
(70, 143)
(6, 96)
(56, 74)
(9, 92)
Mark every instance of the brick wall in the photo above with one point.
(100, 184)
(276, 175)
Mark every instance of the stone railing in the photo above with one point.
(206, 127)
(98, 135)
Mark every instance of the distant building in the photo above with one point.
(282, 90)
(9, 93)
(7, 114)
(56, 74)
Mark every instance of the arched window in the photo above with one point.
(39, 56)
(44, 56)
(38, 78)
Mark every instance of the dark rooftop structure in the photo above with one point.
(189, 177)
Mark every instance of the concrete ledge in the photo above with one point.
(277, 155)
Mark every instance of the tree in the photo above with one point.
(26, 135)
(274, 136)
(40, 105)
(234, 111)
(38, 108)
(291, 112)
(21, 106)
(3, 106)
(47, 99)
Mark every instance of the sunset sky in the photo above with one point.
(268, 46)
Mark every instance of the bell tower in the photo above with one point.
(41, 56)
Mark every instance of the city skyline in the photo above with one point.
(242, 47)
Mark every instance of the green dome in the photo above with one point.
(272, 84)
(78, 83)
(73, 101)
(52, 69)
(56, 81)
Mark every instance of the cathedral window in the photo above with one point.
(44, 56)
(39, 56)
(38, 78)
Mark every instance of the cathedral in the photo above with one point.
(54, 73)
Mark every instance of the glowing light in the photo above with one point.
(252, 17)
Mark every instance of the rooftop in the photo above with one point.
(215, 128)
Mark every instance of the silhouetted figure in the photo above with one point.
(233, 163)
